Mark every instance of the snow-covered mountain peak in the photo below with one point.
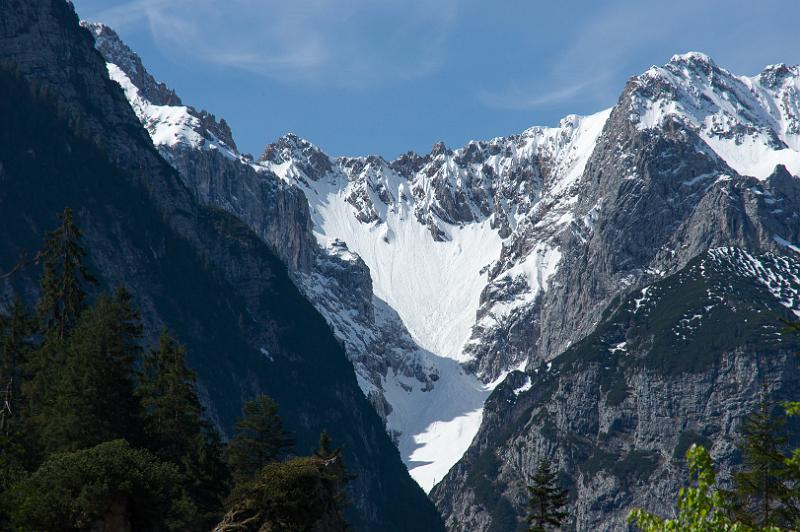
(440, 150)
(694, 60)
(774, 76)
(167, 120)
(295, 155)
(753, 123)
(108, 43)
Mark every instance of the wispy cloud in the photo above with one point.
(350, 43)
(597, 53)
(588, 66)
(126, 15)
(518, 98)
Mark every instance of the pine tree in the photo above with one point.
(172, 411)
(62, 300)
(325, 449)
(760, 488)
(336, 470)
(546, 499)
(176, 430)
(15, 445)
(206, 478)
(297, 494)
(93, 399)
(64, 278)
(259, 439)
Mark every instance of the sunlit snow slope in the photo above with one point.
(434, 286)
(432, 230)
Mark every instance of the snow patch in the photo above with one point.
(167, 125)
(437, 425)
(524, 387)
(267, 354)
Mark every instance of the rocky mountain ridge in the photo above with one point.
(676, 168)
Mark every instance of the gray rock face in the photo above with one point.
(276, 212)
(679, 362)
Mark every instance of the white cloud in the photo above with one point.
(350, 43)
(517, 98)
(587, 66)
(596, 54)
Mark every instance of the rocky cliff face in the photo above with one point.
(70, 137)
(678, 362)
(664, 184)
(692, 157)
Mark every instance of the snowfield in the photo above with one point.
(434, 284)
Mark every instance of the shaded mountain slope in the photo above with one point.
(196, 270)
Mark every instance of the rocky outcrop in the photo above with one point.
(276, 212)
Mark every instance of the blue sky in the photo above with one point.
(378, 76)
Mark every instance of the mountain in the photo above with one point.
(70, 138)
(678, 362)
(408, 361)
(671, 179)
(454, 278)
(504, 253)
